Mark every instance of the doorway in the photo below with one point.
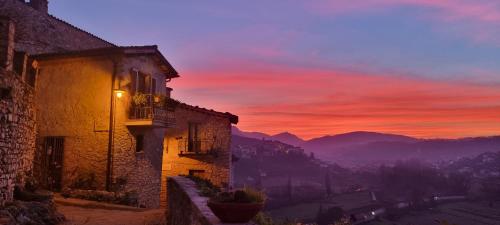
(52, 162)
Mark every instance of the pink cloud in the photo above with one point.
(318, 102)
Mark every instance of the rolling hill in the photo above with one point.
(362, 148)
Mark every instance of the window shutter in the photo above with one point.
(141, 87)
(153, 86)
(133, 83)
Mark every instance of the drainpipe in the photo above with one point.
(109, 164)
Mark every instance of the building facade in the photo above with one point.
(105, 118)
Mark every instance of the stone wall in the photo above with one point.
(186, 206)
(7, 34)
(213, 127)
(38, 32)
(17, 133)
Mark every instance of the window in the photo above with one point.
(193, 140)
(20, 63)
(139, 143)
(153, 86)
(31, 76)
(51, 162)
(140, 83)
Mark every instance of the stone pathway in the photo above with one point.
(80, 212)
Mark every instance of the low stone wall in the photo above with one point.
(17, 133)
(186, 206)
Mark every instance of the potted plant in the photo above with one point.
(140, 99)
(238, 206)
(160, 100)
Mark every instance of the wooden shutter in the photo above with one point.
(141, 83)
(133, 83)
(153, 86)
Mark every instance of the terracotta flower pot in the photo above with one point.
(235, 212)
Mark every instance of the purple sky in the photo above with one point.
(427, 68)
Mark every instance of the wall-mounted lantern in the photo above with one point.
(119, 93)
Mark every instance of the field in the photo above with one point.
(308, 211)
(462, 213)
(459, 213)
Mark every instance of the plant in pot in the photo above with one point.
(139, 99)
(237, 206)
(159, 100)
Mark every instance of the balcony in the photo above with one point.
(197, 147)
(151, 112)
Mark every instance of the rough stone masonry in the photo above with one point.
(17, 118)
(26, 27)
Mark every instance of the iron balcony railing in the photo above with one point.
(156, 112)
(197, 146)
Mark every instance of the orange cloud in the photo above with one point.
(312, 103)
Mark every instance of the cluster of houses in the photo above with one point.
(100, 112)
(268, 149)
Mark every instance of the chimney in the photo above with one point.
(40, 5)
(7, 31)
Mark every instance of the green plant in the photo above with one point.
(246, 195)
(129, 198)
(206, 187)
(28, 179)
(160, 100)
(253, 195)
(140, 99)
(85, 180)
(30, 182)
(264, 219)
(119, 184)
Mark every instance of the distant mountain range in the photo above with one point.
(361, 148)
(284, 137)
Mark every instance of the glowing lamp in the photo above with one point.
(119, 93)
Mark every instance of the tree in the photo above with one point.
(328, 183)
(311, 155)
(258, 182)
(320, 213)
(331, 216)
(490, 190)
(289, 189)
(458, 184)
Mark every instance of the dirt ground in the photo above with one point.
(78, 216)
(80, 212)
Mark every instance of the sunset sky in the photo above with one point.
(425, 68)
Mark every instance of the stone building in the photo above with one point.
(38, 32)
(104, 115)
